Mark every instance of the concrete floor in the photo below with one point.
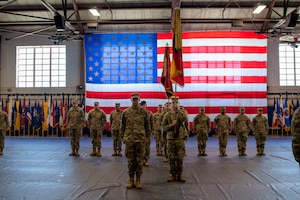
(40, 168)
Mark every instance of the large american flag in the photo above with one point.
(221, 69)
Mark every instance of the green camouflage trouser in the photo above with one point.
(296, 149)
(223, 137)
(260, 141)
(242, 141)
(96, 138)
(202, 138)
(176, 153)
(75, 138)
(134, 152)
(117, 140)
(147, 148)
(2, 138)
(158, 141)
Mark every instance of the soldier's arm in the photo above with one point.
(208, 124)
(104, 119)
(266, 125)
(6, 121)
(89, 119)
(123, 124)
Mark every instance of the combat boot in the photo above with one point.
(119, 153)
(244, 154)
(93, 152)
(204, 153)
(262, 150)
(199, 154)
(131, 183)
(146, 163)
(180, 178)
(114, 154)
(138, 184)
(172, 178)
(77, 152)
(166, 160)
(98, 153)
(72, 153)
(1, 152)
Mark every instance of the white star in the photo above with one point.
(90, 79)
(90, 39)
(90, 58)
(97, 64)
(96, 73)
(91, 68)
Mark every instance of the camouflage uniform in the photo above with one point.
(135, 130)
(241, 129)
(173, 123)
(4, 124)
(201, 127)
(164, 132)
(115, 122)
(75, 122)
(96, 123)
(148, 140)
(295, 130)
(260, 129)
(223, 125)
(158, 131)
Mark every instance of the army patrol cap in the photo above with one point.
(259, 109)
(168, 103)
(96, 103)
(174, 99)
(143, 103)
(242, 108)
(135, 96)
(202, 108)
(74, 101)
(222, 108)
(117, 104)
(160, 105)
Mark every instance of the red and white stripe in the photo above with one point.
(221, 69)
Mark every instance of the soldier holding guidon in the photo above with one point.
(173, 123)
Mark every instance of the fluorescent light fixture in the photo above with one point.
(95, 12)
(259, 8)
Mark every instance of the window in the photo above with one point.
(289, 65)
(41, 66)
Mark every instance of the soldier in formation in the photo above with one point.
(4, 124)
(115, 122)
(158, 131)
(223, 127)
(173, 123)
(148, 140)
(164, 132)
(242, 128)
(295, 130)
(96, 123)
(135, 130)
(201, 128)
(75, 122)
(260, 129)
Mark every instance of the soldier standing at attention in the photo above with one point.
(75, 122)
(148, 142)
(135, 130)
(260, 129)
(4, 124)
(201, 127)
(96, 123)
(223, 126)
(164, 132)
(158, 131)
(241, 128)
(295, 130)
(115, 121)
(173, 123)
